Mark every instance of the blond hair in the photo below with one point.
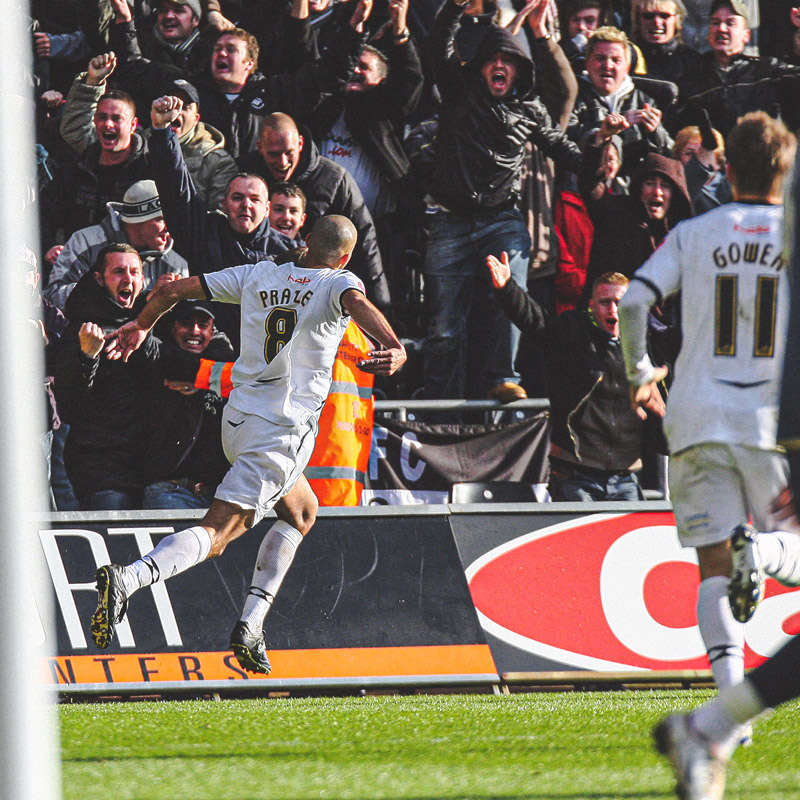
(691, 133)
(610, 278)
(674, 6)
(609, 34)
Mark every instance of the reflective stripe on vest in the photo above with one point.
(214, 376)
(338, 473)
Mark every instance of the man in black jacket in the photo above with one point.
(489, 113)
(186, 461)
(595, 435)
(239, 233)
(361, 129)
(729, 83)
(177, 39)
(286, 154)
(608, 88)
(108, 404)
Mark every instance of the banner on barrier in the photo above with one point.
(362, 604)
(602, 592)
(416, 462)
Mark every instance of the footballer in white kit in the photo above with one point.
(293, 318)
(731, 272)
(725, 467)
(292, 324)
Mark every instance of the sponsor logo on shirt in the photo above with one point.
(759, 229)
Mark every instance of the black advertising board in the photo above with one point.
(365, 602)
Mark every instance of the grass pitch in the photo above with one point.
(577, 746)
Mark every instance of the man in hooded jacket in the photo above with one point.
(489, 112)
(628, 228)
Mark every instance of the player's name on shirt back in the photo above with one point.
(287, 296)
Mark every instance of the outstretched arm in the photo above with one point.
(370, 319)
(184, 210)
(123, 341)
(499, 269)
(77, 127)
(515, 302)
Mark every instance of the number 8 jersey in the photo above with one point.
(292, 324)
(730, 268)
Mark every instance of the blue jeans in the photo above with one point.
(61, 487)
(575, 485)
(471, 345)
(110, 500)
(165, 494)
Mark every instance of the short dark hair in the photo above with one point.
(122, 96)
(383, 62)
(290, 190)
(99, 265)
(246, 175)
(566, 8)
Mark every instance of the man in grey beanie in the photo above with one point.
(137, 221)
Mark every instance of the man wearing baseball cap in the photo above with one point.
(187, 461)
(203, 146)
(138, 221)
(730, 83)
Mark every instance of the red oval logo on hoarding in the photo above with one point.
(611, 592)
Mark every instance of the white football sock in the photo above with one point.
(275, 556)
(721, 718)
(780, 556)
(722, 634)
(173, 554)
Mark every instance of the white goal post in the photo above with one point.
(29, 757)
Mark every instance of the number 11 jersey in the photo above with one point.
(730, 268)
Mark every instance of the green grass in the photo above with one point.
(592, 746)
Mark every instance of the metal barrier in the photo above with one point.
(408, 409)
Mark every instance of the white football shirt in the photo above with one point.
(292, 324)
(730, 268)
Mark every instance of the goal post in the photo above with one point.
(29, 757)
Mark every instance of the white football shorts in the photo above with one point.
(267, 459)
(716, 486)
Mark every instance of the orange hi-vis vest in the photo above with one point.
(339, 462)
(214, 376)
(341, 456)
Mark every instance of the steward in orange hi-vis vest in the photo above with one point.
(339, 463)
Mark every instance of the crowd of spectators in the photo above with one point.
(562, 138)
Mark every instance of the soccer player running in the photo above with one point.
(293, 318)
(699, 744)
(721, 419)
